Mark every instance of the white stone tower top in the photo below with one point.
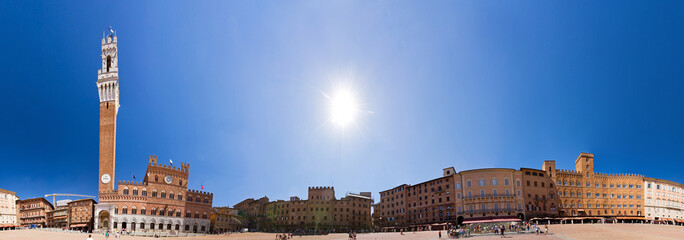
(108, 76)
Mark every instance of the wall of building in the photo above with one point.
(33, 212)
(664, 200)
(494, 192)
(539, 194)
(8, 208)
(583, 192)
(319, 211)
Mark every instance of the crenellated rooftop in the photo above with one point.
(200, 192)
(153, 162)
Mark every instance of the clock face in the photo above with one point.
(168, 179)
(105, 178)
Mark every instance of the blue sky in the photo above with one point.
(235, 89)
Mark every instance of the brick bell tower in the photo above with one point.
(108, 89)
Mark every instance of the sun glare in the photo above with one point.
(344, 107)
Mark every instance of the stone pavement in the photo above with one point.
(567, 231)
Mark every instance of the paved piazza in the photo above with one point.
(576, 231)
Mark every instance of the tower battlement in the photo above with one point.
(321, 188)
(153, 161)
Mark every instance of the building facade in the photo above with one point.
(59, 217)
(161, 202)
(8, 209)
(664, 201)
(321, 211)
(81, 214)
(225, 219)
(451, 199)
(584, 193)
(500, 193)
(492, 193)
(539, 194)
(255, 211)
(33, 212)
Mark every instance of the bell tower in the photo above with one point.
(108, 89)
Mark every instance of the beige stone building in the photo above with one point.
(161, 202)
(33, 212)
(489, 194)
(8, 209)
(321, 211)
(664, 201)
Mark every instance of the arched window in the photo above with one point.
(135, 191)
(154, 193)
(125, 191)
(144, 192)
(109, 62)
(161, 211)
(124, 210)
(196, 214)
(178, 213)
(171, 195)
(188, 214)
(180, 197)
(134, 210)
(142, 211)
(206, 200)
(204, 215)
(154, 211)
(163, 194)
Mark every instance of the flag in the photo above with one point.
(171, 161)
(133, 176)
(202, 186)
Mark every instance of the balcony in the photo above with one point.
(489, 198)
(491, 211)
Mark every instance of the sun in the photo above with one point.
(343, 107)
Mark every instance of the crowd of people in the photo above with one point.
(283, 236)
(497, 229)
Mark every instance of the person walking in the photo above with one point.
(546, 231)
(107, 235)
(440, 234)
(502, 232)
(90, 237)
